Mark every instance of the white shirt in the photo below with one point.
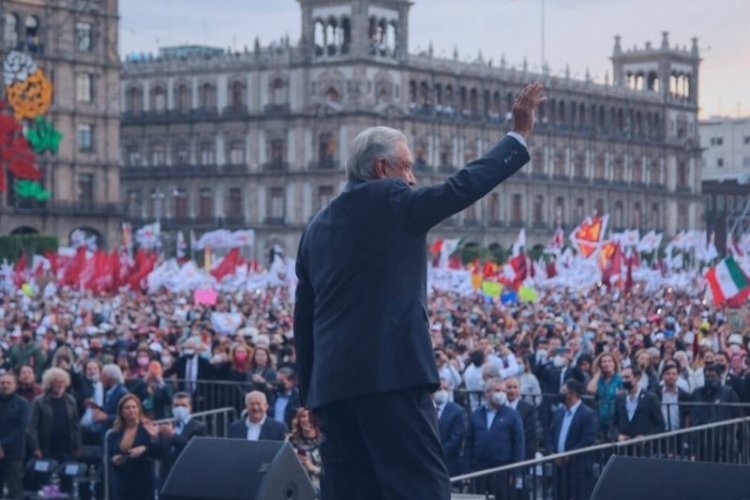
(631, 405)
(513, 404)
(253, 430)
(191, 369)
(439, 409)
(670, 408)
(87, 420)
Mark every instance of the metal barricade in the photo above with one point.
(217, 423)
(572, 475)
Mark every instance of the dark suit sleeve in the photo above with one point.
(736, 411)
(469, 445)
(529, 424)
(551, 434)
(519, 442)
(614, 428)
(587, 436)
(457, 432)
(172, 370)
(179, 441)
(304, 309)
(657, 418)
(421, 209)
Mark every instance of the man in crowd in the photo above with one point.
(27, 386)
(15, 414)
(728, 377)
(286, 397)
(90, 396)
(361, 310)
(675, 403)
(27, 353)
(711, 399)
(637, 411)
(256, 426)
(526, 411)
(573, 427)
(452, 427)
(113, 383)
(177, 434)
(190, 367)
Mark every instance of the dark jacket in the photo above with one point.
(14, 420)
(711, 410)
(156, 404)
(575, 475)
(172, 447)
(452, 426)
(270, 431)
(647, 419)
(135, 478)
(111, 400)
(683, 400)
(362, 267)
(291, 407)
(527, 412)
(43, 420)
(503, 443)
(205, 371)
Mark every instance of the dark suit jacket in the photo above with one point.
(271, 430)
(110, 405)
(527, 412)
(452, 426)
(205, 370)
(172, 447)
(291, 407)
(551, 378)
(501, 444)
(647, 419)
(360, 308)
(578, 469)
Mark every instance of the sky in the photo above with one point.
(578, 33)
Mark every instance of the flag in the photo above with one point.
(181, 246)
(629, 276)
(520, 269)
(610, 262)
(557, 242)
(726, 281)
(127, 234)
(520, 242)
(447, 248)
(228, 264)
(20, 273)
(650, 242)
(551, 268)
(586, 238)
(148, 236)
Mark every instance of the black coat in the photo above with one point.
(711, 410)
(647, 419)
(135, 477)
(172, 447)
(452, 426)
(270, 431)
(291, 407)
(527, 411)
(575, 477)
(15, 413)
(362, 292)
(205, 370)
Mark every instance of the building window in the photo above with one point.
(183, 99)
(579, 164)
(682, 175)
(278, 94)
(559, 210)
(86, 188)
(33, 43)
(746, 140)
(326, 150)
(133, 156)
(83, 37)
(234, 204)
(619, 215)
(717, 141)
(470, 215)
(158, 155)
(538, 210)
(133, 203)
(599, 207)
(237, 95)
(10, 30)
(655, 219)
(134, 100)
(276, 209)
(158, 99)
(560, 164)
(180, 203)
(619, 169)
(208, 154)
(637, 215)
(84, 87)
(85, 136)
(206, 204)
(278, 151)
(746, 161)
(494, 208)
(599, 167)
(207, 97)
(637, 172)
(181, 154)
(516, 210)
(325, 195)
(236, 153)
(719, 162)
(580, 210)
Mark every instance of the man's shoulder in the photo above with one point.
(454, 408)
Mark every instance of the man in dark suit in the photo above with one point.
(558, 369)
(190, 368)
(526, 411)
(286, 397)
(257, 425)
(675, 402)
(361, 328)
(637, 412)
(573, 427)
(452, 427)
(174, 437)
(114, 389)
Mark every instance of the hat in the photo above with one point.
(705, 326)
(735, 338)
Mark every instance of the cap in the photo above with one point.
(735, 338)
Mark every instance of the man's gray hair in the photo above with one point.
(369, 145)
(113, 371)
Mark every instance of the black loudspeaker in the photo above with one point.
(236, 469)
(628, 478)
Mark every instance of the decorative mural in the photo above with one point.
(25, 133)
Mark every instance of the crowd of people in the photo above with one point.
(517, 379)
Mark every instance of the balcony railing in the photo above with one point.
(71, 208)
(275, 166)
(276, 109)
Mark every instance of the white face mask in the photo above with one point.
(558, 361)
(734, 348)
(499, 398)
(180, 413)
(441, 397)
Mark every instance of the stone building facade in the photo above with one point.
(75, 43)
(259, 139)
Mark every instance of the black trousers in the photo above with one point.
(383, 446)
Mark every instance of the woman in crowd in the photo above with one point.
(240, 363)
(154, 393)
(261, 373)
(63, 359)
(221, 364)
(131, 447)
(604, 385)
(305, 438)
(142, 359)
(55, 430)
(530, 389)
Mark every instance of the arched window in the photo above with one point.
(158, 99)
(10, 30)
(326, 150)
(134, 100)
(207, 97)
(205, 203)
(278, 91)
(516, 209)
(236, 94)
(208, 153)
(32, 40)
(183, 98)
(236, 153)
(538, 216)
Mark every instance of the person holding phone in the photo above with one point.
(305, 438)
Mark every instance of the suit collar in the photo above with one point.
(353, 184)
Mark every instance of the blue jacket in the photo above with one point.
(362, 266)
(452, 426)
(501, 444)
(15, 414)
(110, 405)
(582, 431)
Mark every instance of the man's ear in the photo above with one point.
(380, 169)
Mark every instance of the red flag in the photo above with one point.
(144, 264)
(610, 262)
(114, 265)
(53, 261)
(551, 269)
(519, 265)
(228, 264)
(20, 271)
(629, 277)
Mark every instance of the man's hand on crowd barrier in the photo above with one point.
(525, 107)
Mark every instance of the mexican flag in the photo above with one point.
(727, 282)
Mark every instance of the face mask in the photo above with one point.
(180, 413)
(240, 356)
(558, 361)
(26, 339)
(441, 397)
(499, 398)
(628, 385)
(189, 353)
(218, 358)
(734, 348)
(166, 360)
(142, 361)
